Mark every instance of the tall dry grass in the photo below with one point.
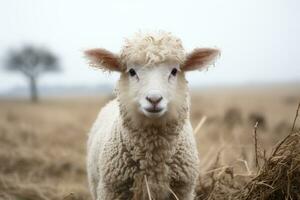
(275, 176)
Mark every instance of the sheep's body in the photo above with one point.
(121, 157)
(142, 142)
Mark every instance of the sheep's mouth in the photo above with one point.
(154, 110)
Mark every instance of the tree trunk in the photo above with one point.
(33, 90)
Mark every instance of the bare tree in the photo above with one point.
(32, 62)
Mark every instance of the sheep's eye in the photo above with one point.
(174, 72)
(132, 72)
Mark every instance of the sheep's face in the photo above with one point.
(153, 91)
(153, 95)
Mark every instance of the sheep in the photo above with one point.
(141, 145)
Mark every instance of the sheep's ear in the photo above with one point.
(103, 59)
(199, 58)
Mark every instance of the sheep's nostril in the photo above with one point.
(154, 99)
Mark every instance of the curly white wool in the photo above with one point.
(152, 48)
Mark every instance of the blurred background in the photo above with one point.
(49, 96)
(259, 40)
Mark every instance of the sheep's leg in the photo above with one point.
(113, 193)
(145, 187)
(182, 192)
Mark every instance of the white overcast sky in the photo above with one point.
(259, 39)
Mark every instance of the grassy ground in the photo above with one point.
(42, 146)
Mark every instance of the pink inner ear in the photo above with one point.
(200, 58)
(103, 59)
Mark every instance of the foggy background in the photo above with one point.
(259, 39)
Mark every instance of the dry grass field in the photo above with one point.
(42, 146)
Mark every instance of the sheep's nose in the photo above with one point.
(154, 99)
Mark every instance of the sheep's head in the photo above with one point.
(152, 85)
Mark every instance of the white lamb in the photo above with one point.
(141, 145)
